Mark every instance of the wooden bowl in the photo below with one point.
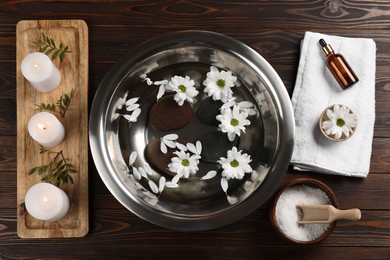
(324, 117)
(311, 183)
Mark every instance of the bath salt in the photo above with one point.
(288, 215)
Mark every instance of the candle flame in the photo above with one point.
(42, 126)
(36, 66)
(45, 199)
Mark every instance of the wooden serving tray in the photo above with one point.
(74, 75)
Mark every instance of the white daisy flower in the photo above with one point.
(168, 140)
(235, 165)
(183, 164)
(184, 88)
(219, 83)
(340, 122)
(233, 121)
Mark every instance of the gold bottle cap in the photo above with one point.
(326, 48)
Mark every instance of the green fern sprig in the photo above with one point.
(61, 106)
(58, 170)
(48, 46)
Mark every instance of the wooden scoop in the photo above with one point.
(325, 214)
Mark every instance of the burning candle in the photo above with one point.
(46, 129)
(45, 201)
(41, 72)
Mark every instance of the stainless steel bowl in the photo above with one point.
(196, 205)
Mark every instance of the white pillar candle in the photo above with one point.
(46, 129)
(41, 72)
(45, 201)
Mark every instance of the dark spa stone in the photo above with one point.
(167, 115)
(158, 159)
(208, 110)
(215, 145)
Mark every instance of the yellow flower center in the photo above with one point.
(234, 122)
(234, 163)
(182, 88)
(340, 122)
(185, 162)
(221, 83)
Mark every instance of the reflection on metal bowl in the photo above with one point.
(196, 204)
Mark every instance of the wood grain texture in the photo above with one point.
(74, 75)
(274, 29)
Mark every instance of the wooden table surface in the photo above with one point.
(274, 29)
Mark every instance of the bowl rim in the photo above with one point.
(181, 39)
(312, 183)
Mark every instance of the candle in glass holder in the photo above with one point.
(45, 201)
(46, 129)
(41, 72)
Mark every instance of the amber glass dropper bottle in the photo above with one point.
(338, 66)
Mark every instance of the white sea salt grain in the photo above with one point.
(288, 215)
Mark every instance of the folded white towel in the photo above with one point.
(316, 89)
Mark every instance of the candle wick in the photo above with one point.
(42, 126)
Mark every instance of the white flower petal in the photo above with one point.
(224, 184)
(131, 101)
(191, 147)
(136, 173)
(171, 185)
(132, 107)
(169, 143)
(136, 113)
(161, 82)
(228, 104)
(161, 91)
(153, 186)
(181, 147)
(142, 172)
(245, 104)
(171, 137)
(232, 200)
(198, 147)
(132, 157)
(148, 169)
(161, 184)
(209, 175)
(176, 179)
(231, 136)
(163, 147)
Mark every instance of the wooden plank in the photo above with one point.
(74, 73)
(8, 153)
(278, 46)
(7, 80)
(236, 14)
(8, 119)
(116, 228)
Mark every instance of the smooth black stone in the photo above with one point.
(215, 145)
(208, 110)
(167, 115)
